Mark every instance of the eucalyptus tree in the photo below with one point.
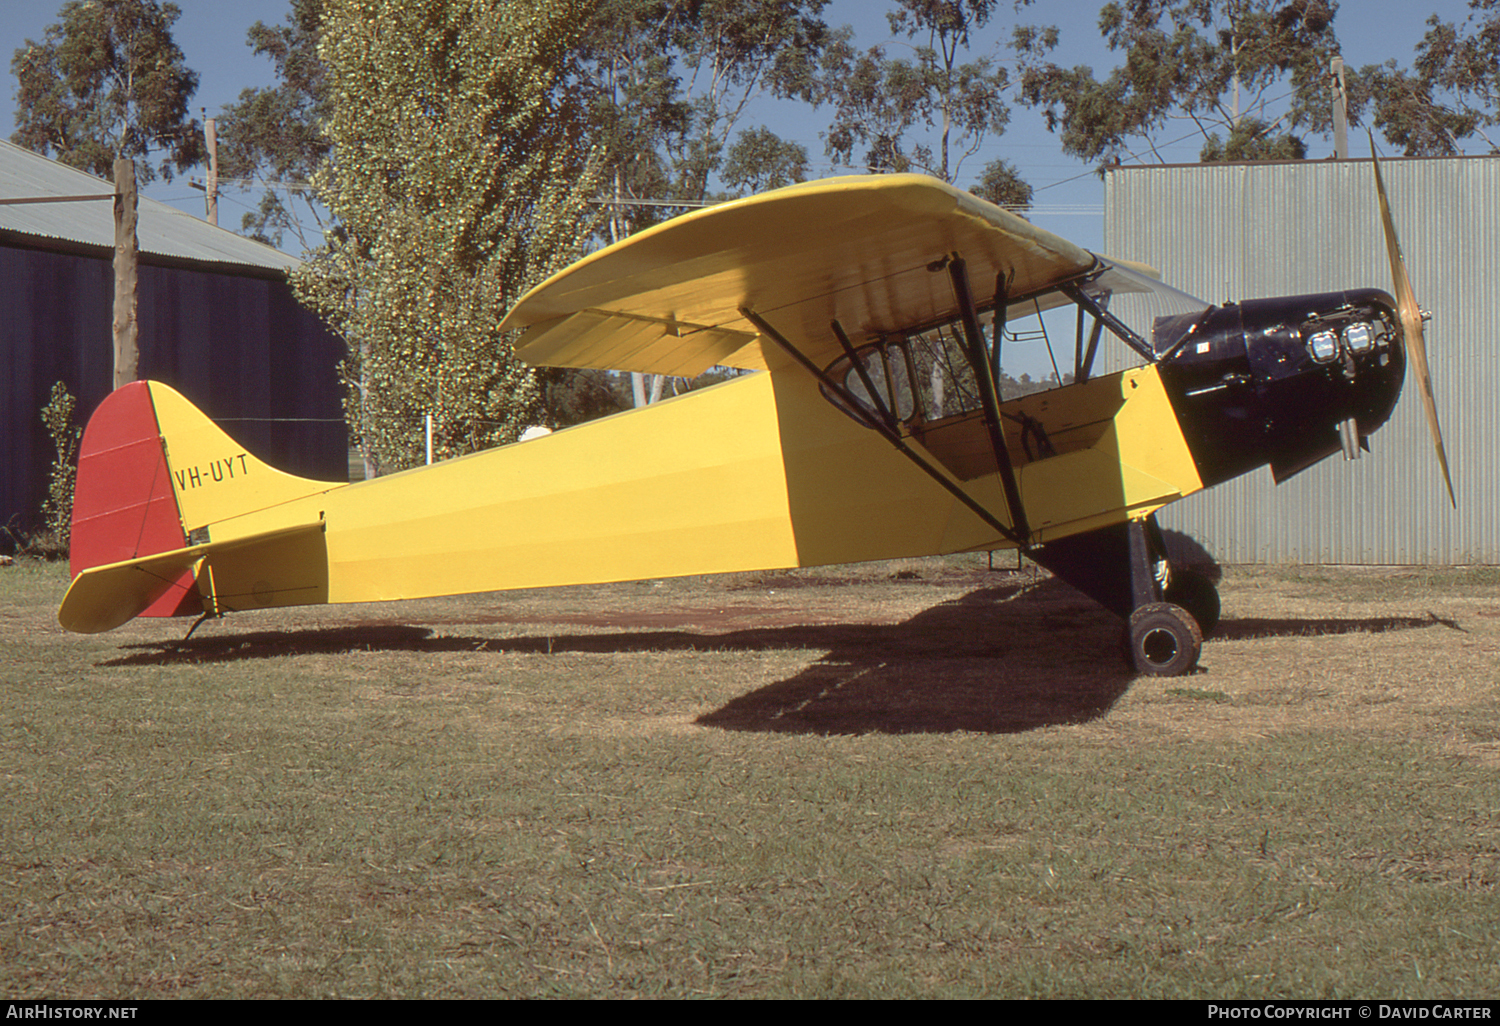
(730, 53)
(1248, 78)
(1451, 93)
(930, 109)
(672, 81)
(274, 134)
(107, 81)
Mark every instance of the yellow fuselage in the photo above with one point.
(758, 473)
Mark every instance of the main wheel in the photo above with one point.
(1197, 594)
(1163, 640)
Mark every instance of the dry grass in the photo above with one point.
(901, 780)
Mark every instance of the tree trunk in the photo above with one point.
(127, 350)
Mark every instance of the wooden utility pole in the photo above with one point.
(127, 351)
(211, 137)
(1340, 111)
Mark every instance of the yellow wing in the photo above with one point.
(858, 249)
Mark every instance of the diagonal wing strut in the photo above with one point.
(884, 423)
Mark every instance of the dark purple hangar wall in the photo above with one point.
(217, 319)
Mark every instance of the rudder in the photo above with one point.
(154, 473)
(123, 503)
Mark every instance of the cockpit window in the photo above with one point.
(919, 377)
(926, 376)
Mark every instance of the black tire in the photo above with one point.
(1197, 594)
(1163, 640)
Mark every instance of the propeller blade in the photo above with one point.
(1411, 325)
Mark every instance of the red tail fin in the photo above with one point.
(123, 506)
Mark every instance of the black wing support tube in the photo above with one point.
(1119, 327)
(889, 433)
(988, 398)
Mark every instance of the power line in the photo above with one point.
(655, 203)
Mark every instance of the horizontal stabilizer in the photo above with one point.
(105, 597)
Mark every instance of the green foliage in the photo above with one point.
(635, 107)
(1410, 115)
(1253, 139)
(107, 81)
(276, 133)
(571, 396)
(761, 160)
(670, 82)
(732, 51)
(928, 112)
(1002, 184)
(57, 509)
(1451, 92)
(1207, 66)
(459, 177)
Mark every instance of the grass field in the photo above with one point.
(905, 780)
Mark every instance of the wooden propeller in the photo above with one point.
(1411, 325)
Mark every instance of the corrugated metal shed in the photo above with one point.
(1240, 231)
(165, 233)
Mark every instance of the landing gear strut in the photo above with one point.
(1124, 568)
(1163, 638)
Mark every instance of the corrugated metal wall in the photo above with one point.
(1239, 231)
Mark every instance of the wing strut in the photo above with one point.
(886, 431)
(984, 374)
(1083, 362)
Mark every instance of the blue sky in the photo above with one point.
(1069, 198)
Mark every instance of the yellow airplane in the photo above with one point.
(873, 309)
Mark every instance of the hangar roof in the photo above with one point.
(165, 234)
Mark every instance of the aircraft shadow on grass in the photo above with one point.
(997, 660)
(1253, 628)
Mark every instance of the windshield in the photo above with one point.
(1161, 315)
